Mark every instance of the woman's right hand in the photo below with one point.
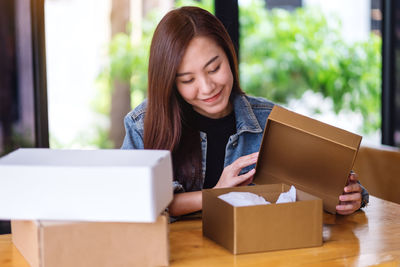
(230, 175)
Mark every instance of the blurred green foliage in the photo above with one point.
(282, 55)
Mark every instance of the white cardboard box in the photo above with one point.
(85, 185)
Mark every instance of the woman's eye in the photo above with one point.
(215, 70)
(188, 81)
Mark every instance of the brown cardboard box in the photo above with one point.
(313, 156)
(379, 170)
(262, 227)
(296, 150)
(50, 243)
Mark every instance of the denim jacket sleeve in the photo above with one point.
(134, 126)
(133, 133)
(364, 196)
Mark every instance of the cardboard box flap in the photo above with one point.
(311, 126)
(311, 155)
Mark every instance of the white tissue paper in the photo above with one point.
(240, 199)
(289, 196)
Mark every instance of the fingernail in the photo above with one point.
(252, 171)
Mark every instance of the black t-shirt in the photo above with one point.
(218, 132)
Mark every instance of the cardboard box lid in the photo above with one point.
(109, 185)
(311, 155)
(83, 158)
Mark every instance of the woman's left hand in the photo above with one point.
(350, 200)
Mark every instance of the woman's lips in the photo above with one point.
(213, 98)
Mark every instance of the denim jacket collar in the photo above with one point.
(246, 121)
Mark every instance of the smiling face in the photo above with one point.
(204, 78)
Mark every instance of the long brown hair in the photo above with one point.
(167, 121)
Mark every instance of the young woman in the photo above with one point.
(197, 110)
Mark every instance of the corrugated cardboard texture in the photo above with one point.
(262, 227)
(95, 244)
(311, 155)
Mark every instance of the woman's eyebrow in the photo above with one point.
(208, 63)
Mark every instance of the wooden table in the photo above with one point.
(369, 237)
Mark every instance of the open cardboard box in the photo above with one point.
(55, 243)
(296, 150)
(262, 227)
(105, 185)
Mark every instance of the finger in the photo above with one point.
(344, 212)
(353, 177)
(349, 206)
(244, 161)
(255, 154)
(352, 188)
(247, 182)
(351, 197)
(244, 177)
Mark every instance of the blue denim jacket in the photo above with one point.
(251, 115)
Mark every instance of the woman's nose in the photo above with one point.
(206, 86)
